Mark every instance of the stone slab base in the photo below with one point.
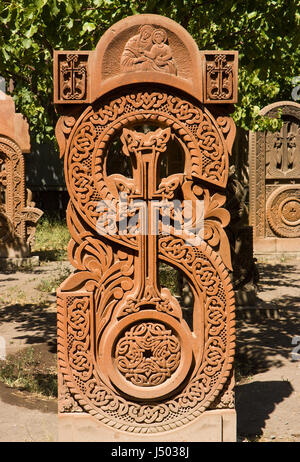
(13, 263)
(211, 426)
(276, 249)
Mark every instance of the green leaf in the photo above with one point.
(70, 24)
(88, 27)
(6, 55)
(27, 42)
(252, 14)
(69, 9)
(40, 3)
(30, 32)
(296, 80)
(55, 10)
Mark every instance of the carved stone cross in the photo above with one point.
(220, 78)
(73, 78)
(131, 361)
(146, 149)
(284, 145)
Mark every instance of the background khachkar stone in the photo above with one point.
(132, 366)
(18, 214)
(274, 159)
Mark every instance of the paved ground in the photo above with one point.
(267, 395)
(28, 319)
(268, 401)
(26, 420)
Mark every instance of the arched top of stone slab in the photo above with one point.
(287, 108)
(12, 124)
(166, 52)
(144, 49)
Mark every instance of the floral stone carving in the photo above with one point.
(18, 214)
(127, 356)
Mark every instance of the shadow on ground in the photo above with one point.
(34, 323)
(278, 275)
(255, 402)
(265, 341)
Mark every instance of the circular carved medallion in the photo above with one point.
(150, 354)
(290, 211)
(283, 211)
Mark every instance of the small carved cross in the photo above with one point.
(73, 78)
(219, 73)
(286, 141)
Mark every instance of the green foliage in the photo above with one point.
(26, 371)
(51, 239)
(265, 32)
(50, 285)
(168, 278)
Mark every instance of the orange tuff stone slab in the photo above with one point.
(18, 214)
(274, 182)
(142, 162)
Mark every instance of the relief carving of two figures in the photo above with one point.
(148, 51)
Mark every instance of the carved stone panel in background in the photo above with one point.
(18, 214)
(275, 181)
(128, 359)
(283, 150)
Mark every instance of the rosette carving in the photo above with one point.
(283, 211)
(148, 354)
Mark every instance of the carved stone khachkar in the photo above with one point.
(131, 366)
(275, 183)
(18, 214)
